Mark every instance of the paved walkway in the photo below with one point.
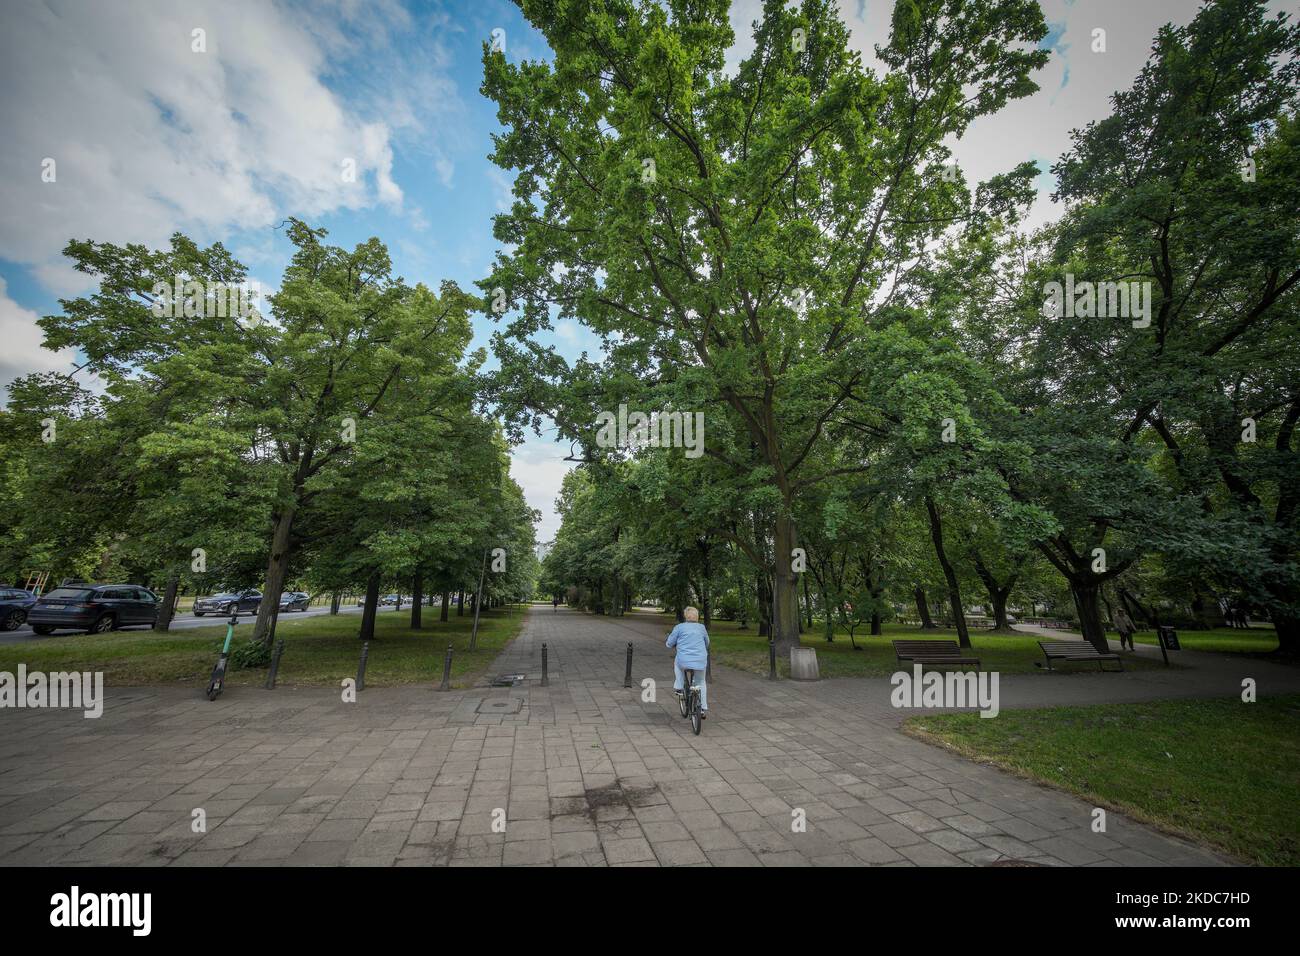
(581, 772)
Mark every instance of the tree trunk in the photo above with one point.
(785, 604)
(764, 607)
(460, 603)
(168, 606)
(335, 600)
(1205, 617)
(417, 600)
(1086, 594)
(950, 575)
(877, 589)
(446, 606)
(371, 608)
(998, 597)
(1135, 608)
(923, 608)
(1288, 634)
(807, 602)
(830, 619)
(998, 593)
(277, 568)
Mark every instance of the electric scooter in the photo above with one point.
(217, 684)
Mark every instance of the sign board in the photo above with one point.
(1168, 638)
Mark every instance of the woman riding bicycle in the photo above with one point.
(692, 643)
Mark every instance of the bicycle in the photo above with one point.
(688, 700)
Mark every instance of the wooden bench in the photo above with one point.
(932, 652)
(1076, 651)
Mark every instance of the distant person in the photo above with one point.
(1124, 624)
(555, 604)
(692, 643)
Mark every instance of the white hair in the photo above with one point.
(691, 614)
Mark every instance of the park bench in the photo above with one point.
(932, 652)
(1076, 651)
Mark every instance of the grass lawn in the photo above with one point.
(1221, 771)
(317, 650)
(1005, 653)
(1257, 640)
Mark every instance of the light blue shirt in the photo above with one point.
(692, 643)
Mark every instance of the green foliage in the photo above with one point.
(797, 266)
(336, 437)
(251, 654)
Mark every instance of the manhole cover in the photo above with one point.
(507, 680)
(500, 705)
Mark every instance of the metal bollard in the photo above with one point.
(771, 658)
(361, 667)
(446, 671)
(275, 664)
(545, 682)
(627, 676)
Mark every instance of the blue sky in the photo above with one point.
(151, 134)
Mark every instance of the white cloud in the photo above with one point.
(23, 353)
(568, 331)
(539, 467)
(502, 184)
(151, 137)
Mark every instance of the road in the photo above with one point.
(186, 621)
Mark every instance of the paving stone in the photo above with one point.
(895, 834)
(873, 851)
(678, 853)
(627, 850)
(590, 775)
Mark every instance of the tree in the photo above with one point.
(742, 227)
(291, 393)
(1138, 413)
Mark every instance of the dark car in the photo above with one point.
(14, 605)
(294, 600)
(97, 608)
(249, 600)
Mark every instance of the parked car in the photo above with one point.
(14, 605)
(96, 608)
(294, 601)
(249, 600)
(390, 599)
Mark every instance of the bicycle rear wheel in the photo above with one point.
(696, 720)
